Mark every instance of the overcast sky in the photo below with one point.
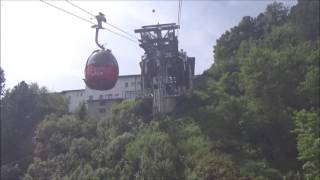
(44, 45)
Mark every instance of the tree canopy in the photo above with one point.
(254, 114)
(22, 108)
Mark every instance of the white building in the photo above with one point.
(75, 97)
(127, 87)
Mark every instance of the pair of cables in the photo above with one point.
(125, 34)
(179, 14)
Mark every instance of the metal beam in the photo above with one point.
(159, 27)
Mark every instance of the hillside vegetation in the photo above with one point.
(254, 114)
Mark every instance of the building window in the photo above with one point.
(90, 97)
(81, 94)
(130, 94)
(101, 97)
(126, 84)
(103, 102)
(116, 95)
(108, 96)
(132, 83)
(102, 110)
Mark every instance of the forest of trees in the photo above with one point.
(254, 114)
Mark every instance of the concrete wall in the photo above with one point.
(97, 109)
(74, 97)
(127, 87)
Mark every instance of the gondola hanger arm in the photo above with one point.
(100, 18)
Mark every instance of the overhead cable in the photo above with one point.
(179, 15)
(121, 35)
(70, 13)
(121, 30)
(88, 21)
(80, 8)
(179, 11)
(91, 14)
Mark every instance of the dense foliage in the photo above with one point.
(70, 148)
(22, 108)
(266, 70)
(2, 81)
(253, 115)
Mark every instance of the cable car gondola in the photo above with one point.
(101, 71)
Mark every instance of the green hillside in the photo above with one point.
(254, 114)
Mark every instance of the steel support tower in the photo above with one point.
(166, 72)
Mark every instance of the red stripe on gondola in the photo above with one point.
(101, 72)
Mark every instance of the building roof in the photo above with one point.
(121, 76)
(65, 91)
(105, 100)
(131, 75)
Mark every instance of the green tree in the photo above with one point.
(307, 130)
(263, 71)
(242, 120)
(2, 82)
(77, 147)
(122, 117)
(151, 156)
(81, 111)
(22, 109)
(305, 16)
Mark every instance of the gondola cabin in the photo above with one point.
(101, 71)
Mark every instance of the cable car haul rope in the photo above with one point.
(101, 70)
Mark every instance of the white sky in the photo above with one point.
(45, 45)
